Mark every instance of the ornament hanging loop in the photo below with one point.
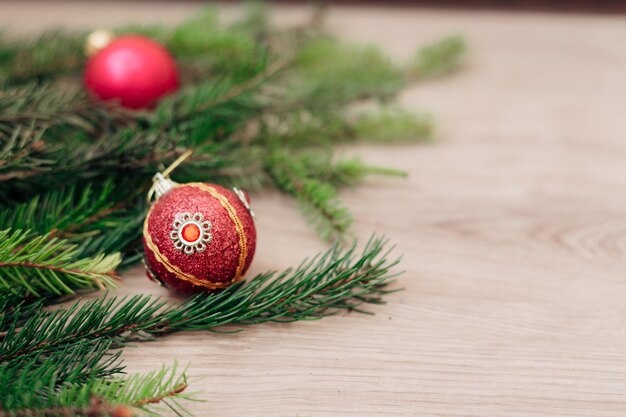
(161, 182)
(177, 162)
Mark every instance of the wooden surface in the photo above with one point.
(512, 226)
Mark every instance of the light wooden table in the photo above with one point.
(512, 226)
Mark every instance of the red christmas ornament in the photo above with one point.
(198, 236)
(133, 69)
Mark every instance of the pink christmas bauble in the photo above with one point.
(133, 69)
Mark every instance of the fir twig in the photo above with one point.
(324, 285)
(41, 265)
(75, 363)
(438, 58)
(318, 199)
(114, 397)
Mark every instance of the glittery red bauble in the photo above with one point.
(133, 69)
(199, 237)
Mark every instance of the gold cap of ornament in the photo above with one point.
(98, 40)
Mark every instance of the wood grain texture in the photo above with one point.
(512, 226)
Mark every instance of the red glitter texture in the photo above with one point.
(218, 263)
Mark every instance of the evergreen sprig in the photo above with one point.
(63, 211)
(333, 281)
(32, 392)
(439, 58)
(42, 265)
(74, 363)
(63, 357)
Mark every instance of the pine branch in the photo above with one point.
(207, 113)
(42, 265)
(116, 232)
(322, 286)
(96, 408)
(320, 204)
(59, 362)
(344, 172)
(102, 218)
(392, 125)
(332, 74)
(49, 55)
(313, 178)
(146, 389)
(76, 363)
(21, 154)
(439, 58)
(112, 156)
(318, 200)
(49, 106)
(99, 396)
(239, 50)
(214, 95)
(63, 211)
(15, 310)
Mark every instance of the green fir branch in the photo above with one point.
(393, 125)
(334, 281)
(63, 210)
(16, 310)
(147, 393)
(47, 106)
(318, 200)
(75, 363)
(22, 156)
(43, 265)
(62, 359)
(49, 55)
(438, 58)
(333, 73)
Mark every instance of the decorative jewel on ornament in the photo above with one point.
(197, 236)
(190, 233)
(132, 69)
